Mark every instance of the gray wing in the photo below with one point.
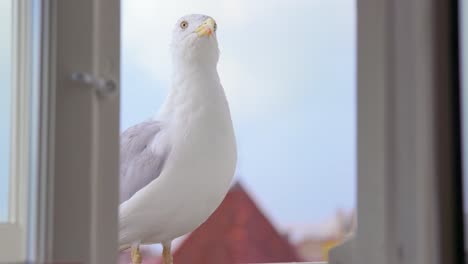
(139, 164)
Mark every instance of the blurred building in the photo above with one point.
(237, 232)
(314, 241)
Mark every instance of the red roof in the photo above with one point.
(237, 232)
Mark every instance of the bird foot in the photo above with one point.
(136, 256)
(168, 259)
(167, 256)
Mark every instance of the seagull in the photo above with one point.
(176, 168)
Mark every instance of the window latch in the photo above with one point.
(104, 87)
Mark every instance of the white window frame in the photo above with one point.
(403, 145)
(65, 202)
(407, 145)
(16, 228)
(84, 37)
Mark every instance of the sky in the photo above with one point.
(288, 68)
(464, 61)
(5, 93)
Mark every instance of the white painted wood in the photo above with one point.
(374, 235)
(41, 189)
(84, 133)
(13, 235)
(11, 242)
(414, 120)
(401, 150)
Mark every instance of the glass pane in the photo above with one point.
(5, 103)
(463, 36)
(288, 71)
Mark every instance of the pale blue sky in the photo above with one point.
(5, 84)
(288, 68)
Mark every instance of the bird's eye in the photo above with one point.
(183, 24)
(215, 26)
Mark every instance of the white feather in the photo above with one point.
(202, 159)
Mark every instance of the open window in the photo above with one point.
(61, 199)
(290, 83)
(18, 136)
(409, 168)
(62, 133)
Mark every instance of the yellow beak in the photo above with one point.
(206, 28)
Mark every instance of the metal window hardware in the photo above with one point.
(104, 87)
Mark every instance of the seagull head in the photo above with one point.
(194, 40)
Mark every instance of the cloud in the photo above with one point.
(265, 45)
(147, 27)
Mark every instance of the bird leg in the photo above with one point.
(136, 256)
(167, 256)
